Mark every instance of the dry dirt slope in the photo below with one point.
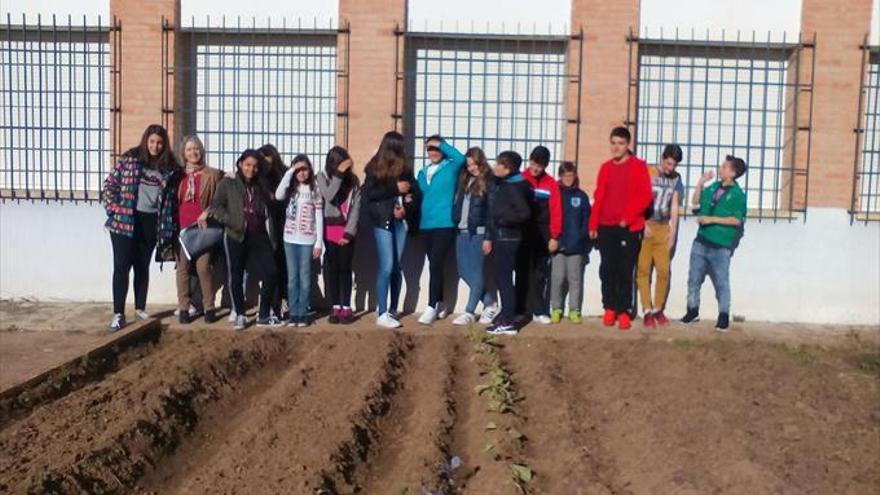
(391, 413)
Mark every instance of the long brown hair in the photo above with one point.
(165, 162)
(481, 180)
(390, 159)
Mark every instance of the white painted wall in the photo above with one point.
(823, 270)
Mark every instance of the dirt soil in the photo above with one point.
(361, 410)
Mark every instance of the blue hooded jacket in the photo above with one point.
(575, 221)
(439, 195)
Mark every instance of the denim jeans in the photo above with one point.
(389, 246)
(299, 278)
(714, 261)
(470, 257)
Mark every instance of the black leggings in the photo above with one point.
(619, 249)
(133, 252)
(337, 273)
(255, 249)
(438, 245)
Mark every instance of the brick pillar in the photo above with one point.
(840, 27)
(606, 62)
(372, 58)
(142, 63)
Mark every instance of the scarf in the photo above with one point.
(191, 171)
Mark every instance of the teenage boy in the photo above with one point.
(540, 239)
(659, 238)
(567, 273)
(623, 195)
(721, 208)
(509, 210)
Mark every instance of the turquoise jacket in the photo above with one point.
(438, 196)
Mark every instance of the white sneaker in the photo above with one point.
(489, 314)
(542, 319)
(240, 323)
(442, 310)
(117, 322)
(232, 316)
(141, 315)
(428, 316)
(464, 319)
(387, 321)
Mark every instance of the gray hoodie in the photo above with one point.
(328, 187)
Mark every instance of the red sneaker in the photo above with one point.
(649, 320)
(623, 321)
(609, 318)
(661, 319)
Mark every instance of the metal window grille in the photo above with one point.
(498, 92)
(241, 87)
(866, 184)
(751, 99)
(59, 94)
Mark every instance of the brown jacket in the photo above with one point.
(211, 178)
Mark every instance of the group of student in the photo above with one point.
(532, 232)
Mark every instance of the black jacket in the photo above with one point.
(478, 208)
(378, 198)
(509, 207)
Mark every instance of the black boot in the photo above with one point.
(183, 317)
(210, 316)
(723, 323)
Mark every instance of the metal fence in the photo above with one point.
(498, 92)
(240, 87)
(59, 93)
(866, 172)
(744, 97)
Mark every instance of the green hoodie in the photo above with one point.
(731, 204)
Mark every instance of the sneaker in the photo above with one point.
(210, 316)
(661, 319)
(692, 316)
(489, 314)
(346, 315)
(609, 318)
(302, 321)
(334, 315)
(555, 315)
(502, 329)
(117, 322)
(183, 317)
(541, 319)
(623, 321)
(142, 315)
(464, 319)
(269, 321)
(574, 315)
(442, 310)
(428, 316)
(386, 320)
(292, 322)
(723, 323)
(232, 316)
(649, 320)
(240, 322)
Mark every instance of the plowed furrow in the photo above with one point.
(307, 431)
(104, 437)
(415, 437)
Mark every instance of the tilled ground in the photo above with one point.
(379, 412)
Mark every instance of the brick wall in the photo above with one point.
(371, 71)
(142, 62)
(840, 26)
(606, 57)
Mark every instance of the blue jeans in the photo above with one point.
(469, 254)
(715, 262)
(299, 278)
(389, 246)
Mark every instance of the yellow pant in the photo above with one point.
(654, 254)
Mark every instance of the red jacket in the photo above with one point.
(622, 194)
(549, 201)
